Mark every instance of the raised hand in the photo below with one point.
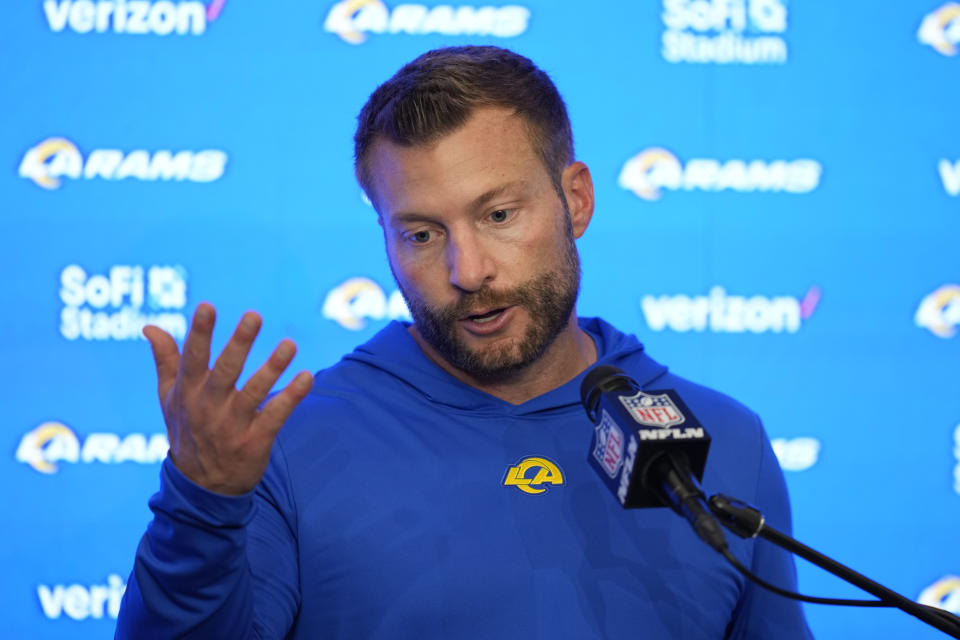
(219, 438)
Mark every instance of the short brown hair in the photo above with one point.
(435, 94)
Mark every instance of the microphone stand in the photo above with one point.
(747, 522)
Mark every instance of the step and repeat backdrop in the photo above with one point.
(778, 187)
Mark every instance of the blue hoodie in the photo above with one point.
(388, 511)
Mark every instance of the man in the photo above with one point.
(434, 483)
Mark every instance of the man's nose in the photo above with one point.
(470, 263)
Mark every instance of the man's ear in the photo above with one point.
(577, 186)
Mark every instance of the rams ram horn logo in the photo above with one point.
(532, 474)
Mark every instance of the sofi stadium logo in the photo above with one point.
(80, 601)
(352, 20)
(941, 29)
(939, 311)
(724, 31)
(136, 17)
(116, 305)
(52, 443)
(357, 300)
(56, 158)
(719, 312)
(654, 169)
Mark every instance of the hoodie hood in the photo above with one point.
(394, 352)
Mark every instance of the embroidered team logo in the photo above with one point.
(653, 410)
(532, 474)
(609, 449)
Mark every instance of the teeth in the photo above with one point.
(487, 318)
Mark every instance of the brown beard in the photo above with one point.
(548, 298)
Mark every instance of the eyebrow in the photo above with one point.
(476, 203)
(490, 194)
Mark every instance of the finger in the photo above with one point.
(229, 364)
(276, 412)
(196, 347)
(166, 356)
(260, 383)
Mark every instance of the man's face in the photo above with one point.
(480, 243)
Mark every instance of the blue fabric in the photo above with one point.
(384, 514)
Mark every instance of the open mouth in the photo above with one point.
(488, 316)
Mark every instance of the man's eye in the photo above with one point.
(500, 215)
(420, 237)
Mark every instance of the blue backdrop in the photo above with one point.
(777, 192)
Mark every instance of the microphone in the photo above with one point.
(648, 448)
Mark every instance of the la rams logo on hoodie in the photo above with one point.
(533, 474)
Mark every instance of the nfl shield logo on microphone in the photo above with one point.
(653, 410)
(608, 450)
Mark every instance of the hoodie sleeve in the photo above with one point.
(213, 566)
(763, 614)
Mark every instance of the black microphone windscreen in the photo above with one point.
(604, 377)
